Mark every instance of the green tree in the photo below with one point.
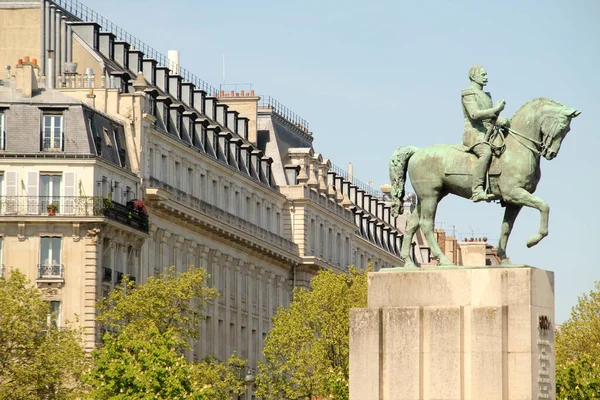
(306, 352)
(578, 350)
(149, 328)
(37, 359)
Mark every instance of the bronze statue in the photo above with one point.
(536, 130)
(480, 118)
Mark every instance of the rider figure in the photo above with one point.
(480, 116)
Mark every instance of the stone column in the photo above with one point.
(177, 253)
(238, 271)
(203, 351)
(249, 300)
(90, 288)
(215, 261)
(164, 250)
(228, 282)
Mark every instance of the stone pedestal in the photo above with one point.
(452, 334)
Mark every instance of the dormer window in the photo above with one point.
(52, 131)
(2, 131)
(166, 119)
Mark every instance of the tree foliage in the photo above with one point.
(148, 330)
(37, 359)
(306, 352)
(578, 350)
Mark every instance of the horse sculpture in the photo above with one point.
(537, 129)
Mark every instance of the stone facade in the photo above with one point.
(230, 184)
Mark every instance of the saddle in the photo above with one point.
(466, 165)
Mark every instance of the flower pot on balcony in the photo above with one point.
(52, 209)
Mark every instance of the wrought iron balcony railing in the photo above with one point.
(51, 271)
(73, 206)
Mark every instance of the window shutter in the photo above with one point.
(70, 193)
(10, 203)
(33, 200)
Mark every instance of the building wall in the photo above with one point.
(19, 34)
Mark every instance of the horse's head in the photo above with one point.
(554, 127)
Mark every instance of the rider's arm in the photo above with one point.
(470, 103)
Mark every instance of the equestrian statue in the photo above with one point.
(499, 159)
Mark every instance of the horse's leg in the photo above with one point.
(428, 209)
(522, 197)
(412, 224)
(510, 215)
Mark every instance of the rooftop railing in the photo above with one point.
(284, 112)
(356, 182)
(81, 12)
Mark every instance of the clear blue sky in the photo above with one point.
(371, 76)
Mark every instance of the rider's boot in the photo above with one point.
(479, 195)
(484, 156)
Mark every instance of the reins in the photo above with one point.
(499, 149)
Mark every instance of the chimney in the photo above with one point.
(173, 56)
(26, 77)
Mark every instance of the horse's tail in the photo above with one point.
(398, 167)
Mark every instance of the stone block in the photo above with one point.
(402, 344)
(454, 333)
(364, 359)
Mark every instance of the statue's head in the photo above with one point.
(478, 74)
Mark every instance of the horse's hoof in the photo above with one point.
(534, 239)
(445, 262)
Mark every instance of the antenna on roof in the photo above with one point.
(223, 68)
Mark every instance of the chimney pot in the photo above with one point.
(222, 93)
(34, 61)
(26, 59)
(232, 93)
(20, 61)
(252, 93)
(242, 93)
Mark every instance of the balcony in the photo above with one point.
(51, 271)
(225, 217)
(73, 206)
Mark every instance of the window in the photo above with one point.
(190, 181)
(313, 234)
(152, 105)
(258, 213)
(2, 132)
(151, 163)
(1, 258)
(52, 134)
(164, 169)
(50, 247)
(178, 124)
(166, 118)
(121, 150)
(215, 193)
(226, 199)
(177, 175)
(54, 314)
(50, 187)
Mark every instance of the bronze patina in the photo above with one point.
(515, 147)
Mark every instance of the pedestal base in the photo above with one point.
(469, 333)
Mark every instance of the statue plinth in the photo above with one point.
(455, 333)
